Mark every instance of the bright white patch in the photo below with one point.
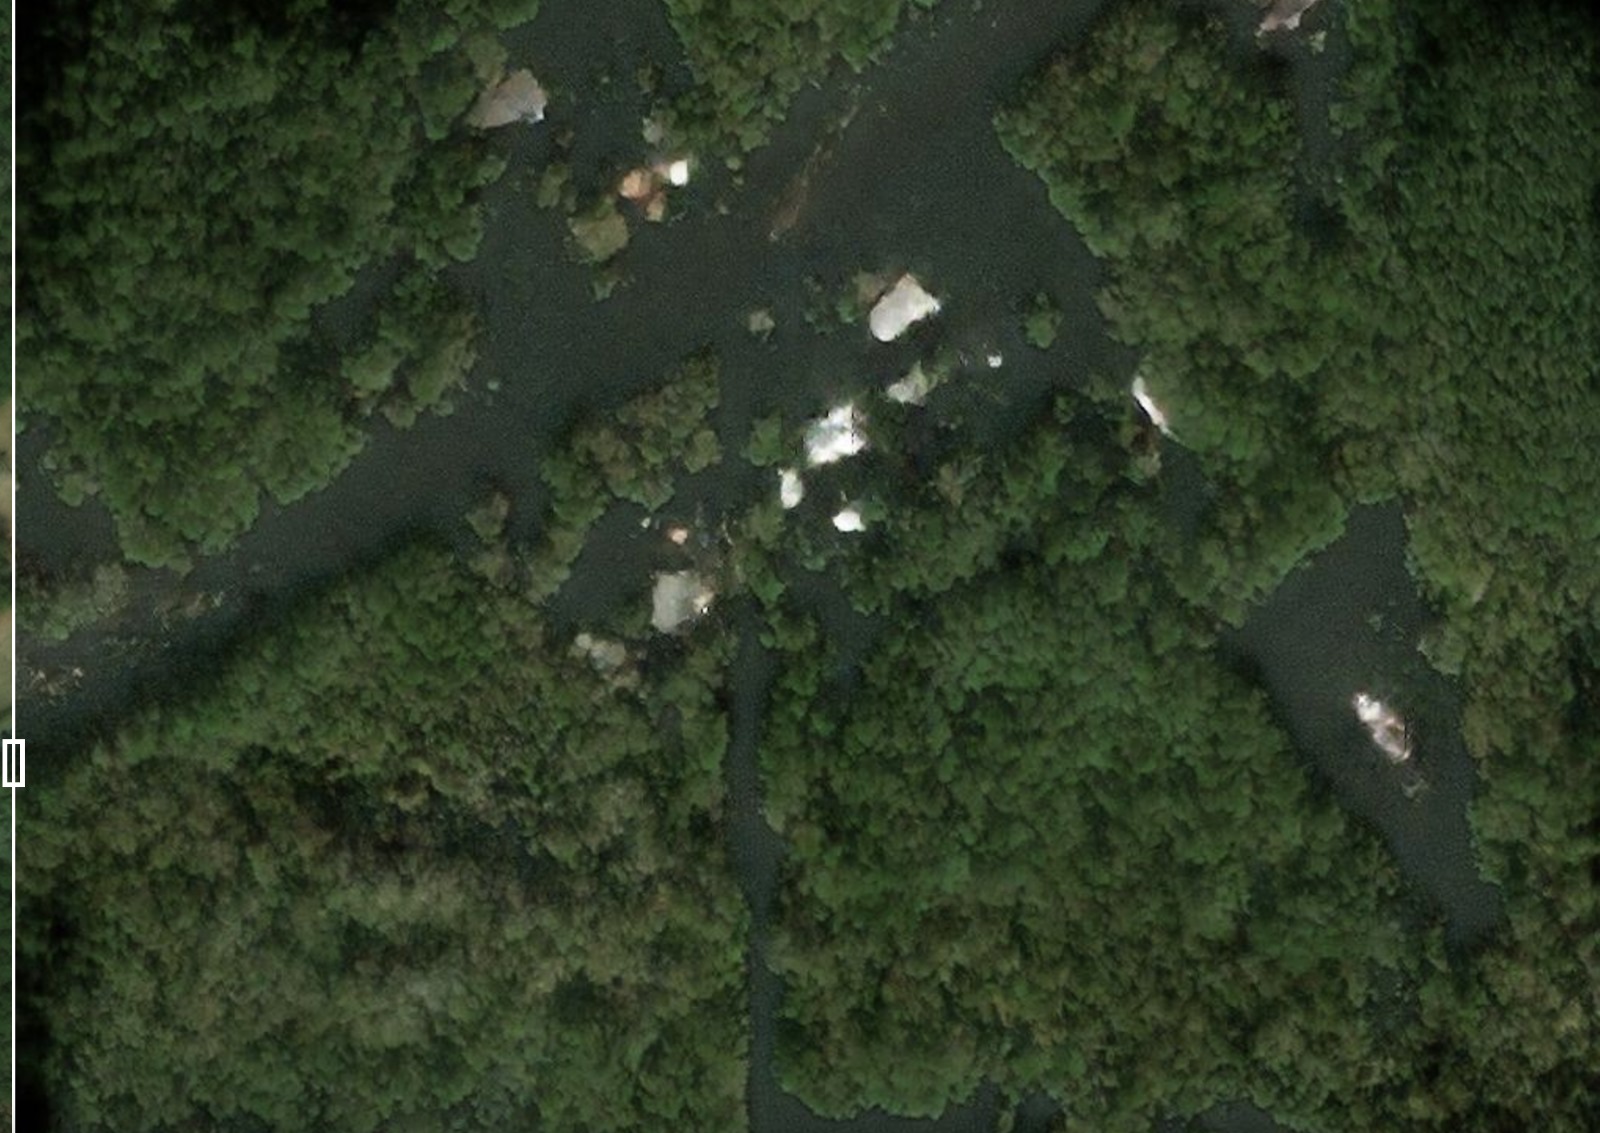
(913, 388)
(849, 519)
(906, 303)
(791, 489)
(1141, 394)
(679, 597)
(1387, 727)
(995, 360)
(678, 171)
(679, 535)
(835, 436)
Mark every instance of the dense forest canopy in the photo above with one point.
(204, 179)
(410, 861)
(436, 851)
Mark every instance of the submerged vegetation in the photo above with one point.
(439, 849)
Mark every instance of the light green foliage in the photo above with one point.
(600, 233)
(55, 609)
(1042, 322)
(751, 59)
(210, 180)
(407, 858)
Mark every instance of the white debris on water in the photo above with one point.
(849, 519)
(791, 489)
(679, 598)
(914, 388)
(1386, 726)
(516, 98)
(1158, 418)
(835, 436)
(1284, 14)
(906, 303)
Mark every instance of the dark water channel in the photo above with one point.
(1349, 621)
(917, 181)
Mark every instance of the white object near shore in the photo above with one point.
(679, 598)
(914, 388)
(904, 304)
(791, 489)
(1386, 726)
(1158, 418)
(835, 436)
(516, 98)
(1285, 14)
(849, 519)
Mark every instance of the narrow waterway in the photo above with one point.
(916, 181)
(1349, 621)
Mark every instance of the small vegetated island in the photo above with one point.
(433, 852)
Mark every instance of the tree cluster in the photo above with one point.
(199, 185)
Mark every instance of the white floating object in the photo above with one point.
(1285, 14)
(1141, 394)
(906, 303)
(791, 489)
(679, 597)
(849, 519)
(1387, 727)
(516, 98)
(995, 359)
(914, 388)
(835, 436)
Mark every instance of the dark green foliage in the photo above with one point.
(1435, 340)
(1044, 840)
(411, 858)
(751, 59)
(208, 183)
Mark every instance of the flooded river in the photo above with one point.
(916, 181)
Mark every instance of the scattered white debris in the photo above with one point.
(995, 359)
(516, 98)
(1285, 14)
(1388, 727)
(791, 489)
(906, 303)
(835, 436)
(679, 597)
(1141, 394)
(849, 519)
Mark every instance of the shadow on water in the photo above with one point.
(1349, 621)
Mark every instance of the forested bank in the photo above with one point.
(447, 849)
(411, 860)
